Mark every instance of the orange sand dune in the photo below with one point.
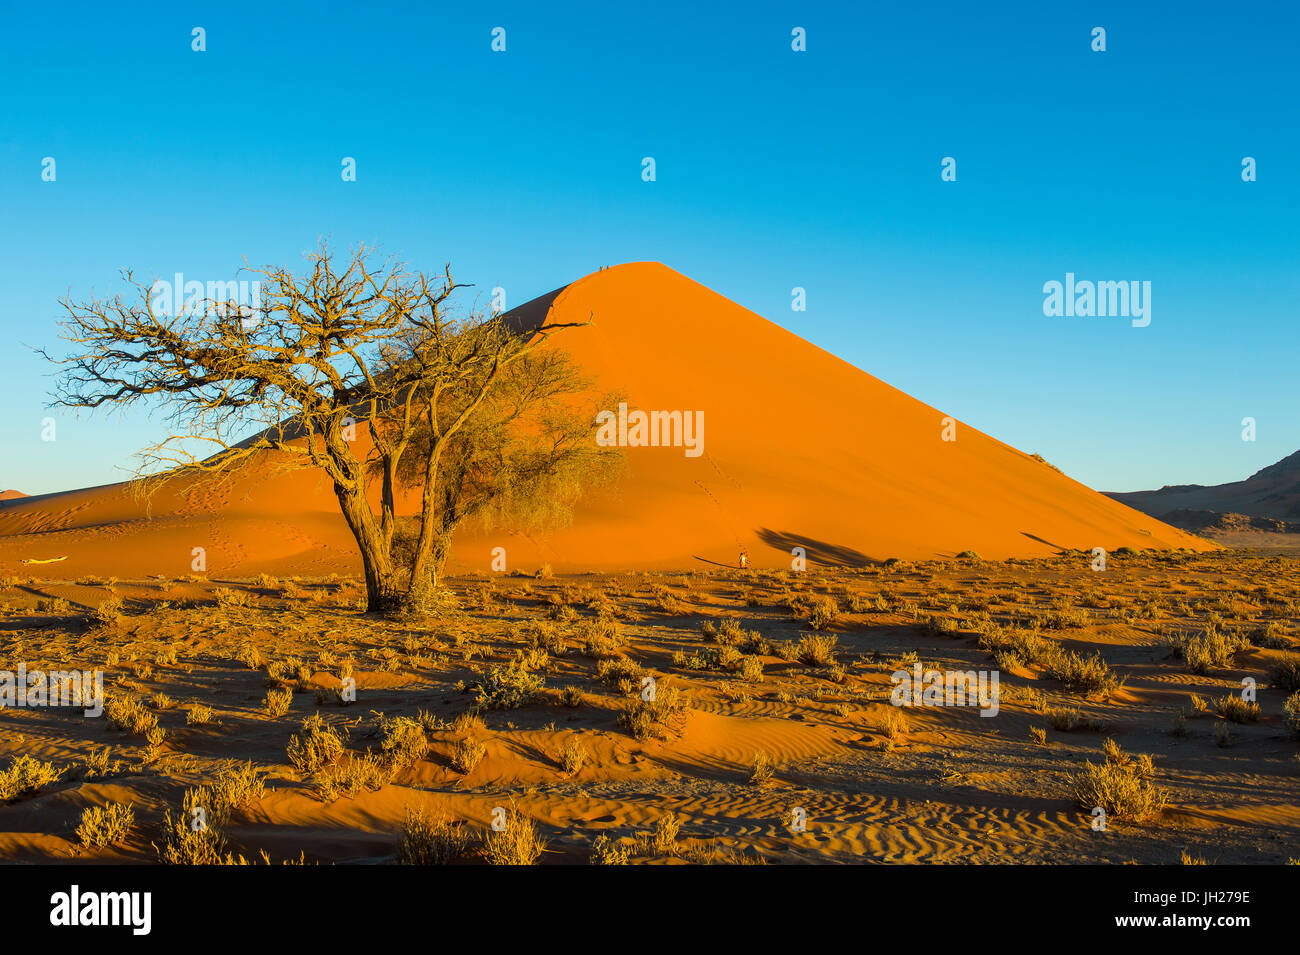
(799, 449)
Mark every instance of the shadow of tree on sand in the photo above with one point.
(818, 552)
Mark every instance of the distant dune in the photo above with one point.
(11, 495)
(799, 449)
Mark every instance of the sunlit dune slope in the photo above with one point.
(798, 448)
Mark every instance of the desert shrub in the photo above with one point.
(655, 719)
(290, 673)
(403, 742)
(664, 840)
(108, 613)
(106, 826)
(128, 715)
(1210, 648)
(190, 838)
(1064, 718)
(518, 843)
(1121, 786)
(709, 658)
(227, 598)
(751, 669)
(235, 786)
(198, 715)
(599, 638)
(141, 669)
(755, 643)
(891, 728)
(59, 606)
(318, 745)
(660, 842)
(865, 603)
(248, 655)
(508, 687)
(429, 841)
(1065, 620)
(816, 649)
(1284, 674)
(25, 776)
(277, 703)
(574, 756)
(607, 851)
(1015, 646)
(762, 772)
(1082, 674)
(571, 696)
(941, 626)
(729, 632)
(665, 600)
(99, 763)
(620, 672)
(562, 613)
(1291, 712)
(352, 777)
(466, 754)
(541, 635)
(822, 612)
(1233, 707)
(467, 722)
(1271, 635)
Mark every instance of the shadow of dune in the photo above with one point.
(818, 552)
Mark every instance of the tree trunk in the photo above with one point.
(421, 592)
(382, 594)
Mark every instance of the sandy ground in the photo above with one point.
(874, 782)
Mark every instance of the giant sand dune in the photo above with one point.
(799, 448)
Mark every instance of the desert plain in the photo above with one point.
(771, 737)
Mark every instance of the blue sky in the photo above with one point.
(775, 169)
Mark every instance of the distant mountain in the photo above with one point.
(1268, 500)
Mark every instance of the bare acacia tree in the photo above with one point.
(363, 343)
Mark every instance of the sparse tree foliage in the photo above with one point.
(358, 368)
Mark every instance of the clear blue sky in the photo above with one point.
(775, 169)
